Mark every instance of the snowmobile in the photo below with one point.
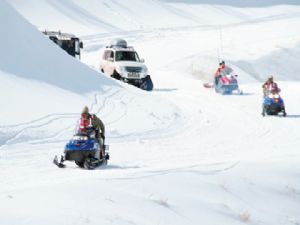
(85, 149)
(273, 104)
(226, 84)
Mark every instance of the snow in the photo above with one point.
(180, 154)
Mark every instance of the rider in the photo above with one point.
(218, 73)
(270, 86)
(225, 69)
(97, 124)
(221, 71)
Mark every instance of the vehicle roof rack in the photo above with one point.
(59, 35)
(130, 48)
(119, 43)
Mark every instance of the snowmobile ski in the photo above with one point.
(208, 85)
(57, 163)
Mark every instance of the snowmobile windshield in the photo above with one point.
(127, 56)
(226, 71)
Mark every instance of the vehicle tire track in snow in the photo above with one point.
(14, 132)
(95, 42)
(199, 169)
(18, 132)
(47, 117)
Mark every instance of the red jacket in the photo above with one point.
(85, 122)
(271, 87)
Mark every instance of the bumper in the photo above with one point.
(137, 82)
(226, 88)
(78, 155)
(133, 75)
(274, 109)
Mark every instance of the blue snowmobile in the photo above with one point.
(85, 149)
(273, 104)
(225, 84)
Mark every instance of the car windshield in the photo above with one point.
(127, 56)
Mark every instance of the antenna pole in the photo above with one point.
(218, 54)
(221, 42)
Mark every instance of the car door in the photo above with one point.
(110, 62)
(103, 63)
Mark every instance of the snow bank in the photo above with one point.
(102, 16)
(282, 64)
(26, 53)
(43, 87)
(36, 74)
(244, 3)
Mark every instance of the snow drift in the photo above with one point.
(32, 68)
(26, 53)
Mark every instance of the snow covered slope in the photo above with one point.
(27, 53)
(36, 75)
(179, 155)
(100, 15)
(103, 16)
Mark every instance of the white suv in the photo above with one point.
(123, 63)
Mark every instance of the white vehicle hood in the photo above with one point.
(130, 63)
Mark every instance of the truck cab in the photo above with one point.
(68, 42)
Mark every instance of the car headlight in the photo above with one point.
(121, 69)
(145, 70)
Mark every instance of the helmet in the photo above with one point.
(270, 78)
(85, 110)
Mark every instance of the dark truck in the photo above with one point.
(68, 42)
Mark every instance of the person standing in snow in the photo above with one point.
(97, 124)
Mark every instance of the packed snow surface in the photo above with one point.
(180, 154)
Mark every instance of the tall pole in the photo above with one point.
(221, 42)
(218, 54)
